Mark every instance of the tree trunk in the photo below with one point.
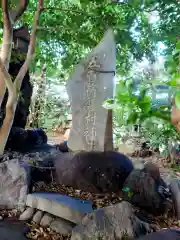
(13, 89)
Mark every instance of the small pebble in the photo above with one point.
(62, 226)
(46, 220)
(37, 217)
(27, 214)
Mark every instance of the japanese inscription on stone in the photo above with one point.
(88, 87)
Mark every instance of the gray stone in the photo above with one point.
(59, 205)
(165, 234)
(113, 222)
(175, 190)
(13, 185)
(88, 87)
(62, 226)
(46, 220)
(27, 214)
(12, 230)
(37, 217)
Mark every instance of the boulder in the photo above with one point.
(142, 190)
(113, 222)
(13, 187)
(165, 234)
(175, 189)
(96, 172)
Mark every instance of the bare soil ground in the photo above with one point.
(55, 138)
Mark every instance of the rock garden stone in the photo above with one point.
(62, 226)
(46, 220)
(59, 205)
(27, 214)
(95, 172)
(10, 230)
(165, 234)
(113, 222)
(143, 190)
(175, 189)
(37, 217)
(13, 185)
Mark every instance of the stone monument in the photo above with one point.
(89, 86)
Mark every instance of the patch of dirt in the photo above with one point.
(55, 138)
(98, 200)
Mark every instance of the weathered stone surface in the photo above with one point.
(59, 205)
(12, 230)
(89, 86)
(37, 217)
(46, 220)
(165, 234)
(141, 189)
(112, 222)
(175, 189)
(13, 185)
(95, 172)
(62, 226)
(27, 214)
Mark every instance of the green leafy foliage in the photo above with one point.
(133, 108)
(68, 31)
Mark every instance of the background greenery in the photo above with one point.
(144, 31)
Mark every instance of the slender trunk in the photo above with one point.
(9, 18)
(6, 49)
(13, 89)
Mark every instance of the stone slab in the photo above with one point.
(71, 209)
(91, 83)
(12, 230)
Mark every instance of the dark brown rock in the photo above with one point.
(142, 190)
(97, 172)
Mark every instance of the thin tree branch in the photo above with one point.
(14, 88)
(69, 10)
(62, 10)
(17, 13)
(6, 47)
(52, 28)
(32, 46)
(7, 35)
(6, 17)
(7, 79)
